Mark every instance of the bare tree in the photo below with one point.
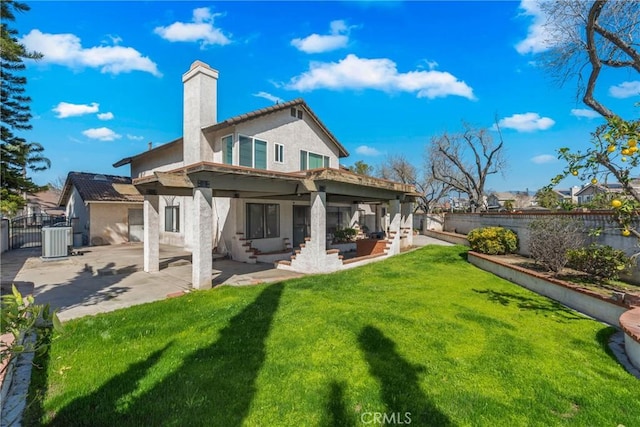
(584, 37)
(464, 160)
(398, 168)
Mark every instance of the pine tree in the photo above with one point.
(17, 155)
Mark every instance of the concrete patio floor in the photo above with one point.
(106, 278)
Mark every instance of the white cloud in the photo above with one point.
(379, 74)
(527, 122)
(337, 38)
(625, 89)
(584, 112)
(268, 96)
(134, 137)
(543, 158)
(105, 116)
(537, 39)
(101, 134)
(67, 50)
(65, 109)
(200, 29)
(365, 150)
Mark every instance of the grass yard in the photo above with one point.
(424, 333)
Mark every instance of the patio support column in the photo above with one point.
(201, 256)
(318, 223)
(151, 233)
(407, 222)
(394, 226)
(394, 216)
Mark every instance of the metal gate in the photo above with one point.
(26, 231)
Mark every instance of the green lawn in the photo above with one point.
(423, 333)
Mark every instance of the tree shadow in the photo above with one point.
(336, 414)
(540, 305)
(90, 410)
(87, 287)
(213, 385)
(34, 411)
(399, 380)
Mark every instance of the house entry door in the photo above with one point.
(301, 224)
(136, 222)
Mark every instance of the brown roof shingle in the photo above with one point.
(100, 188)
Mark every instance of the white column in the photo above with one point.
(407, 221)
(201, 259)
(318, 222)
(151, 234)
(394, 215)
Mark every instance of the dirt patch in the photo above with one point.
(580, 279)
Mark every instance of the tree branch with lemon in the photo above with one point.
(614, 154)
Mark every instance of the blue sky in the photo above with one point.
(384, 77)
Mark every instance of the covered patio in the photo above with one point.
(204, 181)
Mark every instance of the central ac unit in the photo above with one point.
(56, 241)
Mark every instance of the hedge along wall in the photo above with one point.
(462, 223)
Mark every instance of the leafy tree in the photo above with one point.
(361, 168)
(464, 160)
(547, 198)
(585, 39)
(17, 155)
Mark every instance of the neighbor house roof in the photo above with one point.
(47, 201)
(99, 188)
(612, 187)
(298, 102)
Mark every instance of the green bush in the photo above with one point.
(493, 240)
(344, 235)
(598, 261)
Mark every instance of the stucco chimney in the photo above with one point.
(200, 109)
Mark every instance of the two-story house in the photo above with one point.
(257, 184)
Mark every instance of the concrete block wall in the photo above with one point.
(463, 223)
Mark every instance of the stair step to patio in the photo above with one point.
(283, 262)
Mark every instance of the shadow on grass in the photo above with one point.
(100, 407)
(336, 414)
(399, 381)
(214, 385)
(603, 336)
(34, 411)
(540, 305)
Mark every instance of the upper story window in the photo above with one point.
(253, 152)
(279, 153)
(296, 113)
(227, 150)
(313, 161)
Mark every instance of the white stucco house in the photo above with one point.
(265, 186)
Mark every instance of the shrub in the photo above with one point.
(603, 262)
(19, 317)
(493, 240)
(344, 235)
(551, 238)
